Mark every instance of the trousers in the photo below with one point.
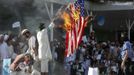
(129, 67)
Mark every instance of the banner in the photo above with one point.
(93, 71)
(6, 65)
(16, 24)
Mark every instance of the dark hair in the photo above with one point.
(27, 32)
(126, 39)
(41, 26)
(31, 58)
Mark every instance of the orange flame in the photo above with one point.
(75, 12)
(70, 18)
(67, 21)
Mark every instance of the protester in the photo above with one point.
(4, 52)
(9, 42)
(31, 50)
(127, 64)
(24, 66)
(31, 42)
(44, 49)
(77, 68)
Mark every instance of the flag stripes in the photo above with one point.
(74, 36)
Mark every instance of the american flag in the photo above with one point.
(74, 36)
(80, 4)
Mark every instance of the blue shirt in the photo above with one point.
(127, 46)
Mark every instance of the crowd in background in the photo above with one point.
(10, 47)
(106, 56)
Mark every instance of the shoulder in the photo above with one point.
(5, 44)
(45, 29)
(128, 43)
(38, 33)
(32, 38)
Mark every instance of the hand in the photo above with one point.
(13, 66)
(33, 51)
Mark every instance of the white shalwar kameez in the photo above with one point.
(44, 49)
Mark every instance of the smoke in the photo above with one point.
(29, 12)
(14, 10)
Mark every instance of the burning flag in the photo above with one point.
(74, 24)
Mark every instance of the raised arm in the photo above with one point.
(124, 59)
(15, 62)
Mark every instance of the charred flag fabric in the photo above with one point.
(74, 25)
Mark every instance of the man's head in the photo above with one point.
(92, 33)
(98, 46)
(28, 59)
(77, 60)
(1, 38)
(41, 26)
(126, 38)
(26, 33)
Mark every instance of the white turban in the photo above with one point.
(24, 31)
(6, 37)
(1, 35)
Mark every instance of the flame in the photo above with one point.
(76, 15)
(75, 12)
(67, 21)
(70, 18)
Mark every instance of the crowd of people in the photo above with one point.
(106, 56)
(29, 54)
(8, 48)
(109, 57)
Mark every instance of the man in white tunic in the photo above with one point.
(44, 49)
(31, 42)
